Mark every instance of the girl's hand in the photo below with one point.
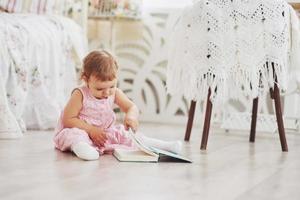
(128, 107)
(131, 122)
(98, 136)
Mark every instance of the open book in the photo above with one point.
(146, 154)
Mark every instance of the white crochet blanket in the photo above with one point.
(232, 47)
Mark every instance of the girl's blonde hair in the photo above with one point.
(100, 64)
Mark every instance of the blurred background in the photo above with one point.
(43, 43)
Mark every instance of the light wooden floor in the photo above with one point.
(231, 168)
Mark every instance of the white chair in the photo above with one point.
(225, 49)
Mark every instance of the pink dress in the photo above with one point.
(97, 112)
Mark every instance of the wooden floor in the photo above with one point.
(231, 168)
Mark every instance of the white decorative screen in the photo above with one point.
(142, 52)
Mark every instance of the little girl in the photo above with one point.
(87, 125)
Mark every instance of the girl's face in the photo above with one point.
(101, 89)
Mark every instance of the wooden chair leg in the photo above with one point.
(190, 121)
(253, 120)
(206, 122)
(276, 95)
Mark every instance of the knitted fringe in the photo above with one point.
(234, 84)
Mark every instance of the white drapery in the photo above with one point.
(37, 69)
(234, 48)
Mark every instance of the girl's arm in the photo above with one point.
(70, 119)
(128, 107)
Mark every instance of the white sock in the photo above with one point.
(85, 151)
(172, 146)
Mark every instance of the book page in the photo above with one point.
(140, 145)
(134, 156)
